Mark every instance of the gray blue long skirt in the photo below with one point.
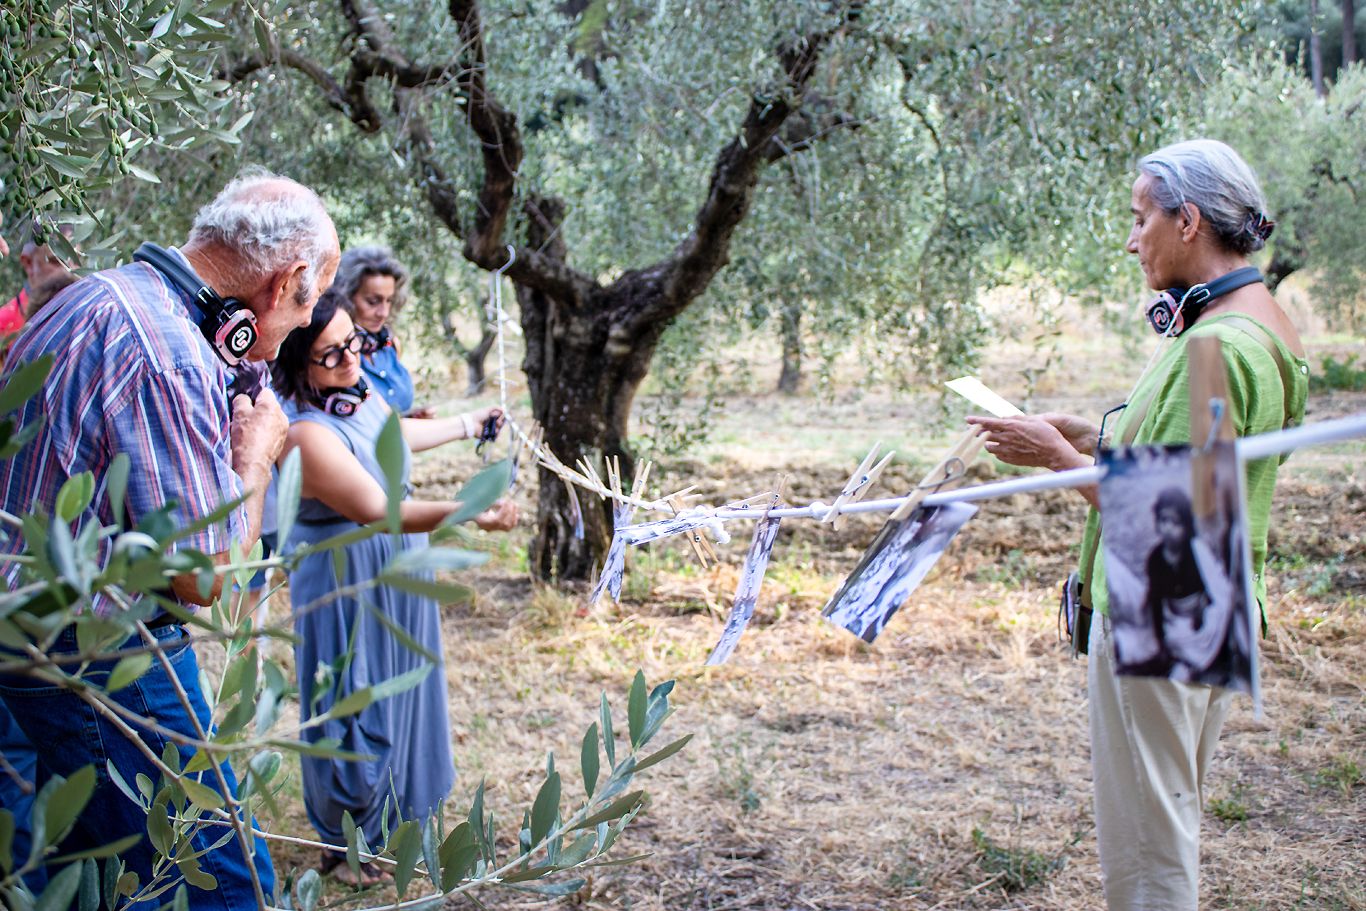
(408, 734)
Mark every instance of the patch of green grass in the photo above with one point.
(1018, 867)
(908, 874)
(1343, 774)
(736, 776)
(1231, 808)
(1338, 376)
(1312, 577)
(542, 720)
(1013, 569)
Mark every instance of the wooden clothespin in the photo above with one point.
(1208, 393)
(594, 480)
(614, 478)
(575, 509)
(779, 492)
(855, 481)
(863, 490)
(958, 458)
(858, 485)
(683, 496)
(701, 547)
(642, 475)
(750, 501)
(638, 485)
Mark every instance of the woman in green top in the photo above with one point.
(1198, 214)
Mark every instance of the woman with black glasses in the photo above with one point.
(344, 647)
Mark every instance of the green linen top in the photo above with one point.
(1257, 405)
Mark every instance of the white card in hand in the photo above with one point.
(971, 388)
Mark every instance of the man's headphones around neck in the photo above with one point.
(227, 324)
(1175, 310)
(343, 402)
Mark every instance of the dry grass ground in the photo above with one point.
(826, 774)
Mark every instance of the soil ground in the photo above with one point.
(827, 774)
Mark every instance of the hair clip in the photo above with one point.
(1261, 225)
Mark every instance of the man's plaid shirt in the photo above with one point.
(131, 374)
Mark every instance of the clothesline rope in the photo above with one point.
(1248, 448)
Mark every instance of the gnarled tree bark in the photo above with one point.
(588, 344)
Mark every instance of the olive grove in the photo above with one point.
(674, 176)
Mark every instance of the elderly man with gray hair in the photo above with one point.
(1198, 213)
(141, 357)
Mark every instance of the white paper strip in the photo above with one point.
(971, 388)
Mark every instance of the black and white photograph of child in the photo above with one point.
(1179, 596)
(895, 563)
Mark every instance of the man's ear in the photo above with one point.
(26, 263)
(1190, 221)
(284, 282)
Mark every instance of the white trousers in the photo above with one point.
(1151, 744)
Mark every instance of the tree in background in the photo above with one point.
(629, 154)
(89, 88)
(1316, 41)
(1349, 40)
(1311, 156)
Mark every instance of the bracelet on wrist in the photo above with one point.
(470, 430)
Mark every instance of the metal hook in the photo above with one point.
(948, 476)
(1216, 407)
(1100, 441)
(512, 258)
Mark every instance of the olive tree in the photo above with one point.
(1310, 153)
(609, 156)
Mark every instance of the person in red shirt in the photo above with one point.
(47, 275)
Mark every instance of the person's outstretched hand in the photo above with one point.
(1030, 441)
(502, 517)
(483, 414)
(1084, 435)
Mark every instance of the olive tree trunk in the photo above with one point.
(588, 343)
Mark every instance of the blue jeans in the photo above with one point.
(69, 734)
(23, 758)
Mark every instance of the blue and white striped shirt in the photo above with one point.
(131, 373)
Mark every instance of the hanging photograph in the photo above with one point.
(690, 521)
(747, 590)
(614, 567)
(1176, 565)
(896, 562)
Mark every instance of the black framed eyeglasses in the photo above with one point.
(332, 357)
(1114, 412)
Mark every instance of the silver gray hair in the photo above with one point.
(271, 221)
(1216, 179)
(359, 263)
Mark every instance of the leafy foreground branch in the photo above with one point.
(80, 619)
(180, 804)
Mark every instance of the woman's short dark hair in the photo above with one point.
(359, 263)
(1176, 500)
(289, 371)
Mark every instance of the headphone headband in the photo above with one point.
(1175, 310)
(343, 402)
(227, 324)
